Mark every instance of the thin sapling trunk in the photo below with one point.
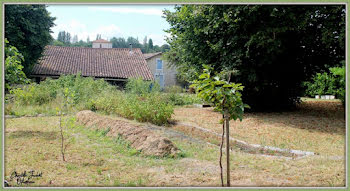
(227, 120)
(62, 139)
(220, 160)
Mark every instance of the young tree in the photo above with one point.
(225, 96)
(67, 96)
(28, 28)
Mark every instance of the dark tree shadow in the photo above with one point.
(50, 135)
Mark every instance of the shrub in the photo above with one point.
(48, 90)
(339, 74)
(321, 84)
(328, 83)
(148, 108)
(173, 89)
(182, 99)
(140, 87)
(97, 95)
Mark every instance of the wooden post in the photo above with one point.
(227, 120)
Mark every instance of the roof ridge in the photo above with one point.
(96, 62)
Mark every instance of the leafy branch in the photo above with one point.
(226, 99)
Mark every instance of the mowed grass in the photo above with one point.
(33, 143)
(317, 126)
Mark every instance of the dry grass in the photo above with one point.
(96, 160)
(317, 126)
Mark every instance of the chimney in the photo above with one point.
(130, 45)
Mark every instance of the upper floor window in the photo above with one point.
(159, 64)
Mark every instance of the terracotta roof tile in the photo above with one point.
(95, 62)
(150, 55)
(101, 40)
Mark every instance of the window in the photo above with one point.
(100, 45)
(159, 64)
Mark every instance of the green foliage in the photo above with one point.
(79, 93)
(322, 84)
(57, 43)
(78, 88)
(148, 108)
(339, 74)
(28, 28)
(225, 96)
(173, 89)
(141, 87)
(182, 99)
(13, 68)
(332, 83)
(64, 37)
(272, 58)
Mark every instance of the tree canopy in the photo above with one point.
(272, 48)
(27, 27)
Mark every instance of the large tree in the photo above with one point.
(64, 37)
(271, 48)
(119, 42)
(27, 27)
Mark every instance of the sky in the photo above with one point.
(111, 21)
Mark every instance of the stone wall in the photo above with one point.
(168, 71)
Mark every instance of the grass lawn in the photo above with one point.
(317, 126)
(93, 159)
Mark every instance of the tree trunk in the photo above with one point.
(220, 160)
(62, 139)
(227, 120)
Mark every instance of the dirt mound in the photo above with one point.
(140, 138)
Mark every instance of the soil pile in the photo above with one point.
(140, 138)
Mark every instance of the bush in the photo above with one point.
(141, 87)
(339, 74)
(332, 83)
(321, 84)
(48, 90)
(150, 108)
(173, 89)
(97, 95)
(182, 99)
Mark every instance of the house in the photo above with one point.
(115, 65)
(101, 43)
(161, 70)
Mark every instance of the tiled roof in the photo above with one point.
(95, 62)
(101, 40)
(150, 55)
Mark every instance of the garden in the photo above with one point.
(251, 116)
(95, 158)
